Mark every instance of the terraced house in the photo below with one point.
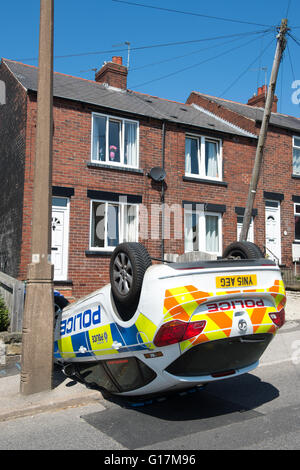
(106, 141)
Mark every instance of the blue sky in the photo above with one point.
(92, 31)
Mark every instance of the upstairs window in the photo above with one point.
(115, 141)
(296, 155)
(203, 157)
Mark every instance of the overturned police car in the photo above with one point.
(171, 326)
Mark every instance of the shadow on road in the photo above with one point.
(135, 424)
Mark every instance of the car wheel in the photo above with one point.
(242, 250)
(128, 264)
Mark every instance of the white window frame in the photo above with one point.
(201, 140)
(121, 138)
(201, 215)
(106, 247)
(296, 214)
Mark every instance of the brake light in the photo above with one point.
(176, 331)
(278, 318)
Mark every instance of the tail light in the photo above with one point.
(176, 331)
(278, 318)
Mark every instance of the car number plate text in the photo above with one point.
(245, 280)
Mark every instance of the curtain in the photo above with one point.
(191, 242)
(130, 156)
(296, 161)
(191, 156)
(188, 156)
(211, 159)
(212, 233)
(130, 223)
(99, 139)
(112, 225)
(98, 225)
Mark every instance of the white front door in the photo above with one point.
(273, 232)
(60, 237)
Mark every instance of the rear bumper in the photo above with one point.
(220, 356)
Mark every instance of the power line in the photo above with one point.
(177, 43)
(294, 38)
(246, 70)
(194, 65)
(288, 7)
(171, 10)
(170, 59)
(291, 64)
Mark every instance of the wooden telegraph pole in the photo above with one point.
(281, 43)
(37, 338)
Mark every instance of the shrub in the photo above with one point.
(4, 317)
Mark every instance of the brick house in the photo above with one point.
(106, 139)
(278, 197)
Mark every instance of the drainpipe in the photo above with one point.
(163, 191)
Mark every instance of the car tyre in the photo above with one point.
(243, 250)
(128, 265)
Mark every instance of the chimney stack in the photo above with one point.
(260, 98)
(113, 73)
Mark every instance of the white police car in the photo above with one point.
(171, 326)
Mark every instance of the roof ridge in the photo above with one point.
(245, 104)
(57, 73)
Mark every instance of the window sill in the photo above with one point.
(98, 253)
(194, 179)
(106, 166)
(296, 177)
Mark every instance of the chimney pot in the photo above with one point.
(117, 60)
(260, 99)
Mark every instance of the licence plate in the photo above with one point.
(244, 280)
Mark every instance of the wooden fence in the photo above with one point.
(12, 292)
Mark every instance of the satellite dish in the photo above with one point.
(157, 173)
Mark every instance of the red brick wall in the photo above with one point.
(276, 173)
(71, 153)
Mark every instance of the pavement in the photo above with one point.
(68, 393)
(64, 394)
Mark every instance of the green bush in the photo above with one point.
(4, 317)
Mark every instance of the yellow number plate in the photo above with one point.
(243, 280)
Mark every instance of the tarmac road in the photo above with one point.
(260, 410)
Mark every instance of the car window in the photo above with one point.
(130, 373)
(96, 374)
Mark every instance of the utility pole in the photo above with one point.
(281, 43)
(37, 338)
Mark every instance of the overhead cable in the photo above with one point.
(171, 10)
(151, 46)
(193, 65)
